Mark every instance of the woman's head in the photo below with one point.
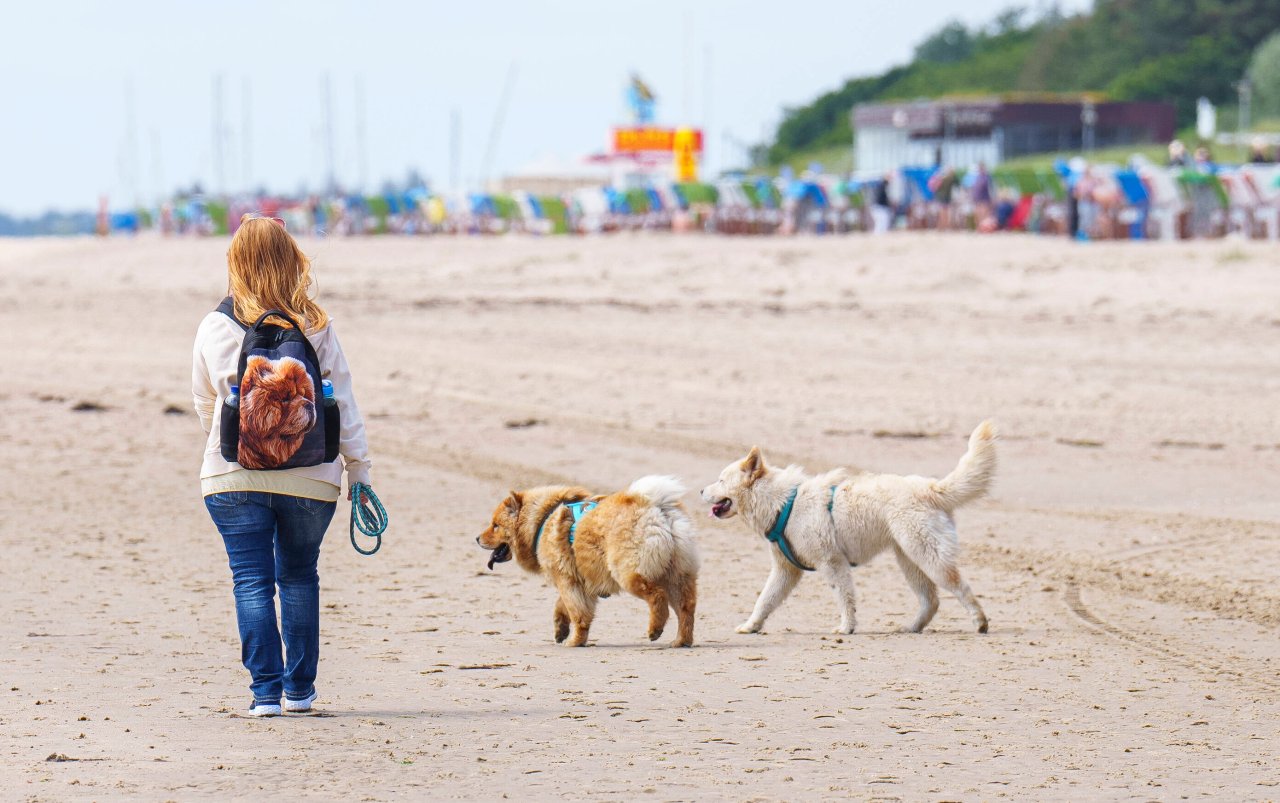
(267, 270)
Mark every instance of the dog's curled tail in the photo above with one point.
(972, 477)
(661, 491)
(667, 530)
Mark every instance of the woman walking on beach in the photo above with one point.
(273, 517)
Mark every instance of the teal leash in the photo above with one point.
(371, 521)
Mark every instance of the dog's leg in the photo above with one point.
(656, 596)
(581, 609)
(925, 590)
(840, 578)
(781, 580)
(946, 575)
(684, 598)
(561, 620)
(962, 591)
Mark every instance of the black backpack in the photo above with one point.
(280, 417)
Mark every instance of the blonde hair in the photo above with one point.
(267, 270)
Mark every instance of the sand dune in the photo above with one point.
(1127, 557)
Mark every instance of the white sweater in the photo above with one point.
(214, 363)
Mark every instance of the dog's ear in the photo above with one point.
(514, 501)
(753, 464)
(254, 368)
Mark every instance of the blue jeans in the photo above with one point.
(274, 539)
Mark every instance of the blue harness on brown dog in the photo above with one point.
(578, 509)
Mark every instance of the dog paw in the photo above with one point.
(748, 627)
(982, 628)
(842, 630)
(654, 635)
(909, 629)
(682, 643)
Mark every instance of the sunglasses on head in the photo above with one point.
(279, 221)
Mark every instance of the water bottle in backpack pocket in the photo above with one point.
(332, 422)
(229, 426)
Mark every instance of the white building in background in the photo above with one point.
(961, 133)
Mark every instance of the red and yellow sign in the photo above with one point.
(653, 138)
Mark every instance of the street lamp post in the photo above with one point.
(1244, 88)
(1089, 119)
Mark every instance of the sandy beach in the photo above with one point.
(1127, 556)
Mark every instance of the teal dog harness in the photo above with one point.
(578, 509)
(777, 533)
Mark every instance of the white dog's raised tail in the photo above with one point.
(972, 476)
(667, 528)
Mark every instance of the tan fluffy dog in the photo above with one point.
(639, 540)
(277, 410)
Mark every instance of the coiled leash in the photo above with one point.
(368, 516)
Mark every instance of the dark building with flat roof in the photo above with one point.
(962, 133)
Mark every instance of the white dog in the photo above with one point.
(830, 522)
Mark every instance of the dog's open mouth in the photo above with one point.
(722, 507)
(501, 554)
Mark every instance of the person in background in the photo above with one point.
(943, 185)
(882, 205)
(980, 193)
(1085, 187)
(1177, 154)
(1006, 203)
(1259, 152)
(1204, 160)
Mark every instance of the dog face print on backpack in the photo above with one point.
(277, 419)
(277, 410)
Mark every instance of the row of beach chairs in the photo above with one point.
(1136, 202)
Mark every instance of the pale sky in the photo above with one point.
(730, 66)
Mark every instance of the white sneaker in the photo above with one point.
(300, 706)
(264, 710)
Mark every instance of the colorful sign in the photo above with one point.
(640, 139)
(686, 144)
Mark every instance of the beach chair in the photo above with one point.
(918, 198)
(769, 211)
(376, 213)
(1053, 204)
(591, 210)
(1264, 180)
(699, 201)
(216, 213)
(1243, 203)
(124, 222)
(1137, 203)
(1023, 183)
(638, 205)
(506, 216)
(857, 212)
(1168, 211)
(556, 212)
(733, 208)
(1208, 203)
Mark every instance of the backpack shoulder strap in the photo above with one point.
(228, 308)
